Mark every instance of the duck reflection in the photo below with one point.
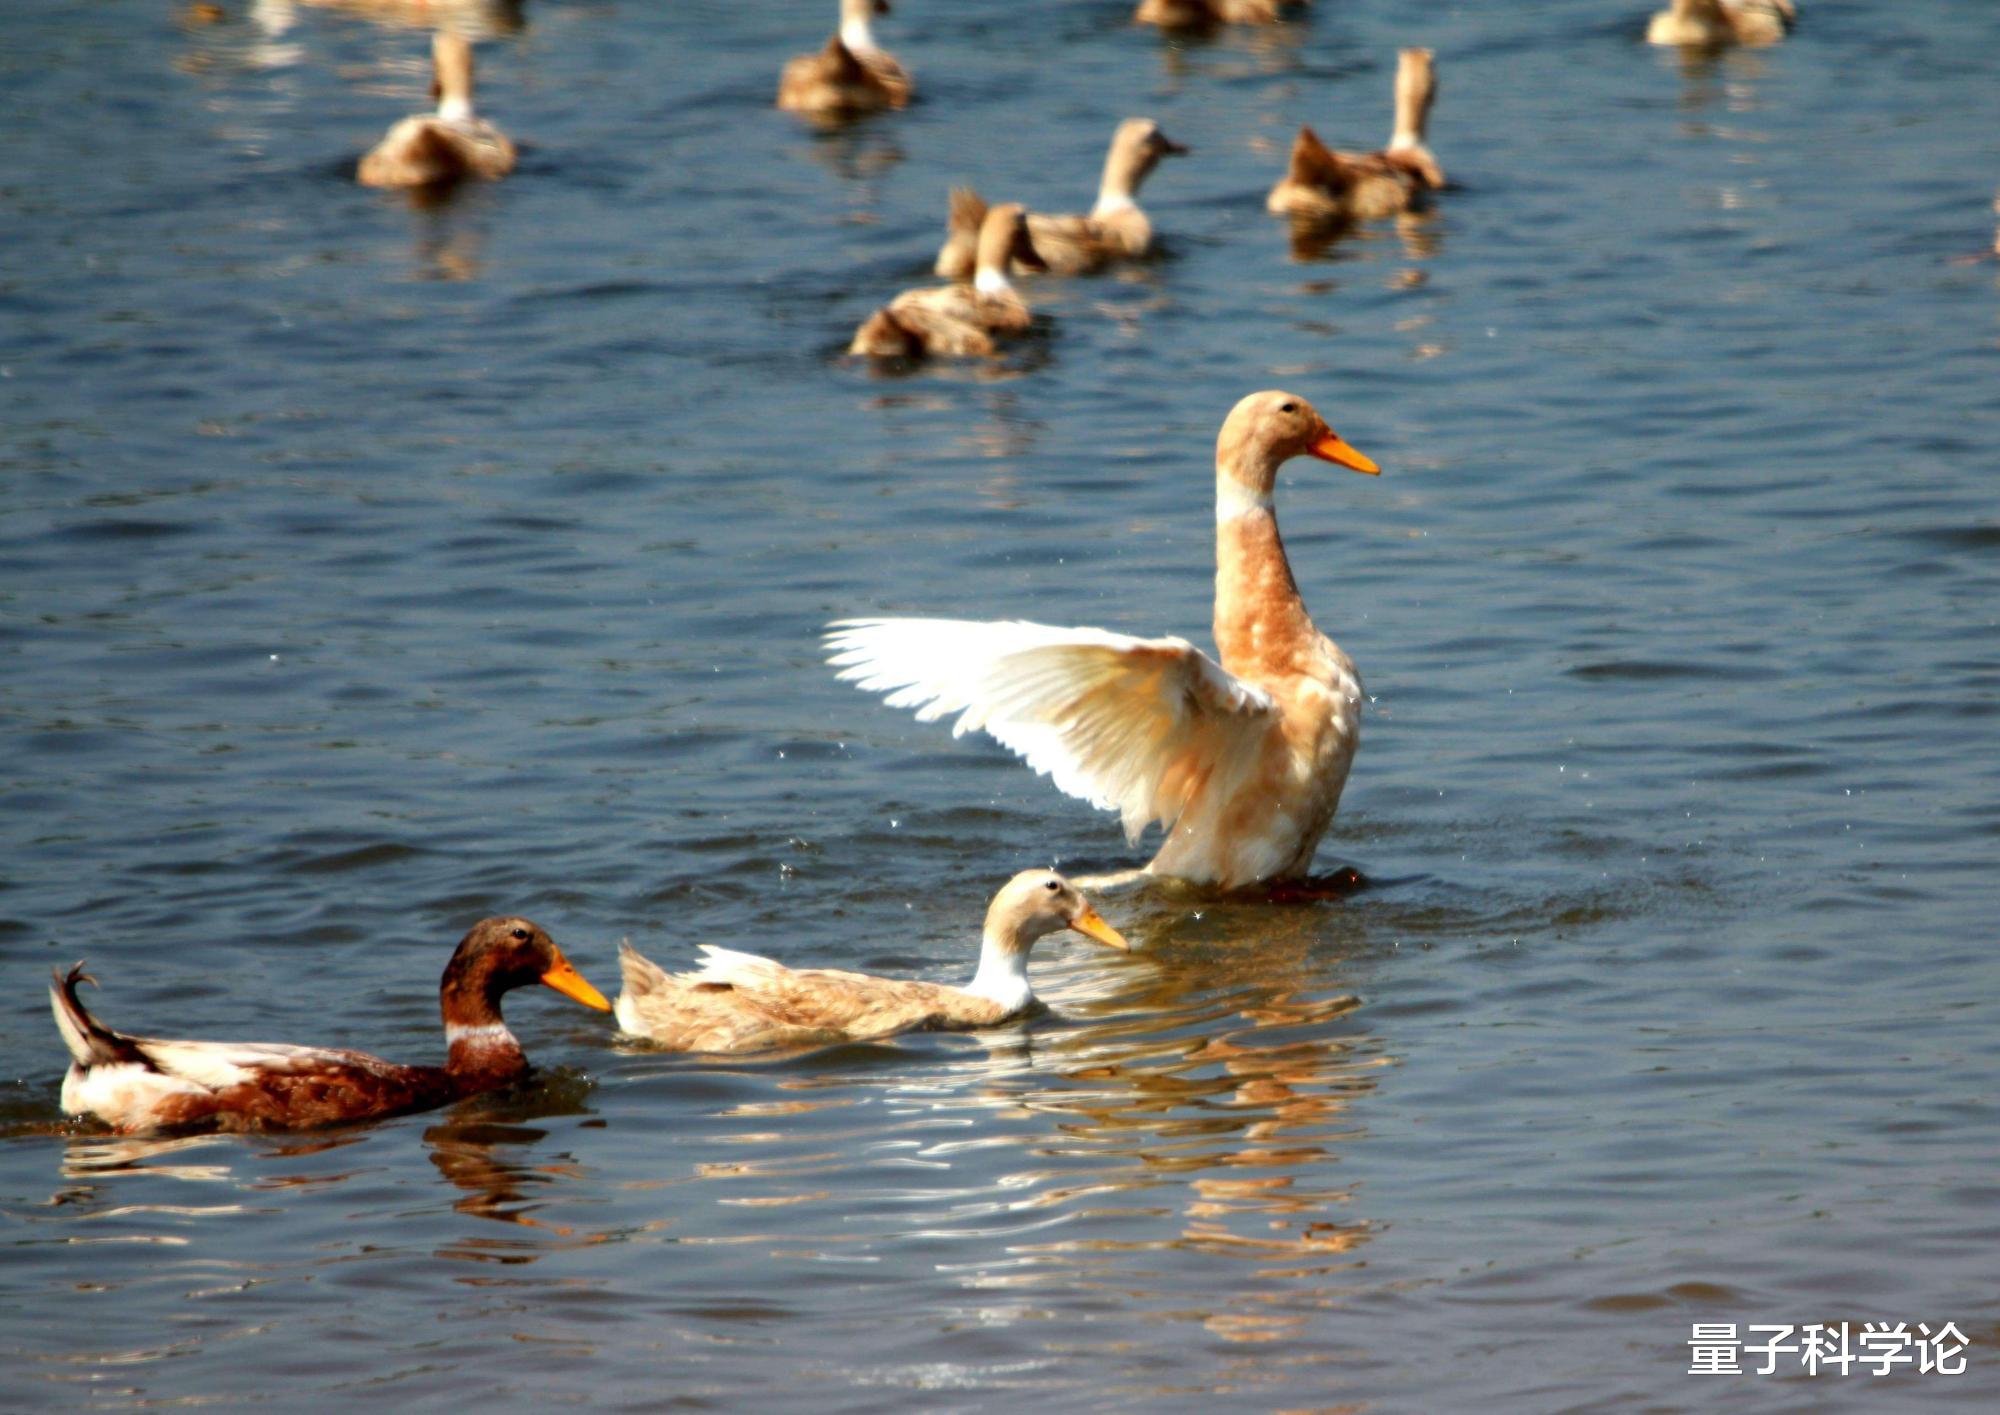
(1418, 233)
(475, 19)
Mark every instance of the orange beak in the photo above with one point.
(567, 981)
(1090, 924)
(1329, 448)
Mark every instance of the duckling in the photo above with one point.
(851, 75)
(147, 1083)
(1325, 185)
(1116, 228)
(1716, 24)
(429, 149)
(1207, 14)
(959, 319)
(740, 1002)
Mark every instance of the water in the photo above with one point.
(366, 569)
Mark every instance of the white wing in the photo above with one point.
(1138, 726)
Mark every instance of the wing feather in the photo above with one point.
(1132, 725)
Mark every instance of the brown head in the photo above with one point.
(1036, 903)
(1003, 238)
(1266, 430)
(499, 955)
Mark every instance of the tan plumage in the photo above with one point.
(741, 1002)
(1243, 760)
(961, 318)
(1716, 24)
(1116, 228)
(851, 76)
(1207, 14)
(431, 149)
(1323, 185)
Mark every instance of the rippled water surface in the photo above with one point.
(367, 568)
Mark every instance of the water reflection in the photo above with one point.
(475, 19)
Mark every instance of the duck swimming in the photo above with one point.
(1207, 14)
(959, 319)
(1116, 229)
(1324, 185)
(145, 1083)
(740, 1002)
(432, 149)
(1242, 760)
(851, 76)
(1717, 24)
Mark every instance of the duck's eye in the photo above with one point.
(1289, 408)
(520, 935)
(1053, 885)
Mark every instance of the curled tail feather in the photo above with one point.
(1315, 164)
(90, 1042)
(968, 210)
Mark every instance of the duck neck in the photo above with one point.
(1260, 619)
(478, 1045)
(451, 56)
(1124, 170)
(1416, 86)
(996, 249)
(1002, 978)
(855, 32)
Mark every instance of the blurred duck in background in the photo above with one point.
(851, 76)
(1716, 24)
(475, 19)
(960, 319)
(1116, 228)
(1328, 186)
(450, 145)
(1207, 14)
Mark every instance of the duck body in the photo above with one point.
(1207, 14)
(137, 1084)
(1116, 228)
(1321, 184)
(451, 145)
(1243, 760)
(850, 76)
(1717, 24)
(963, 318)
(739, 1002)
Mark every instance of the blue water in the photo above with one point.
(366, 568)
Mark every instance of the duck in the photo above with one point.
(1207, 14)
(1717, 24)
(851, 76)
(1324, 185)
(1241, 757)
(433, 149)
(960, 319)
(1116, 228)
(138, 1084)
(738, 1002)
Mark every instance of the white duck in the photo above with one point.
(1243, 761)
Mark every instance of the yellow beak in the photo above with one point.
(567, 981)
(1329, 448)
(1091, 924)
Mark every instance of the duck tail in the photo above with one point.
(884, 336)
(90, 1042)
(968, 211)
(1315, 164)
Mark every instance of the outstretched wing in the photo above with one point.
(1137, 726)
